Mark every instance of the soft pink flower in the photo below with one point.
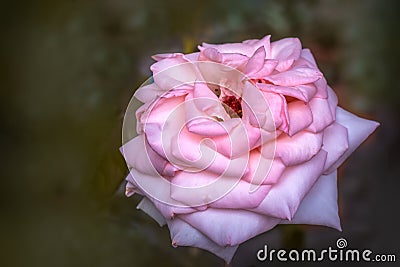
(238, 138)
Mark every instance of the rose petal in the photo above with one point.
(319, 206)
(147, 206)
(300, 117)
(307, 55)
(183, 234)
(130, 189)
(191, 152)
(149, 92)
(358, 130)
(171, 211)
(229, 227)
(265, 41)
(211, 54)
(263, 170)
(298, 148)
(230, 48)
(148, 161)
(260, 109)
(222, 76)
(161, 122)
(158, 190)
(256, 62)
(182, 148)
(323, 111)
(203, 105)
(286, 50)
(175, 71)
(203, 188)
(234, 60)
(211, 128)
(255, 106)
(322, 88)
(277, 106)
(285, 196)
(267, 68)
(303, 92)
(239, 140)
(191, 57)
(335, 142)
(295, 76)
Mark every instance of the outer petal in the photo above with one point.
(217, 192)
(256, 62)
(171, 211)
(265, 41)
(191, 57)
(307, 55)
(130, 189)
(358, 130)
(153, 207)
(230, 48)
(149, 92)
(230, 227)
(174, 71)
(322, 88)
(183, 234)
(148, 161)
(286, 50)
(148, 207)
(335, 142)
(157, 189)
(241, 197)
(285, 196)
(211, 54)
(320, 204)
(234, 60)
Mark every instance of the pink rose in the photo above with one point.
(238, 138)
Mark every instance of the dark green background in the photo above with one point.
(68, 70)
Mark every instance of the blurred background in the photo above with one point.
(68, 70)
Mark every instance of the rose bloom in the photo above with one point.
(238, 138)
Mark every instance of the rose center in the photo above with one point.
(233, 106)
